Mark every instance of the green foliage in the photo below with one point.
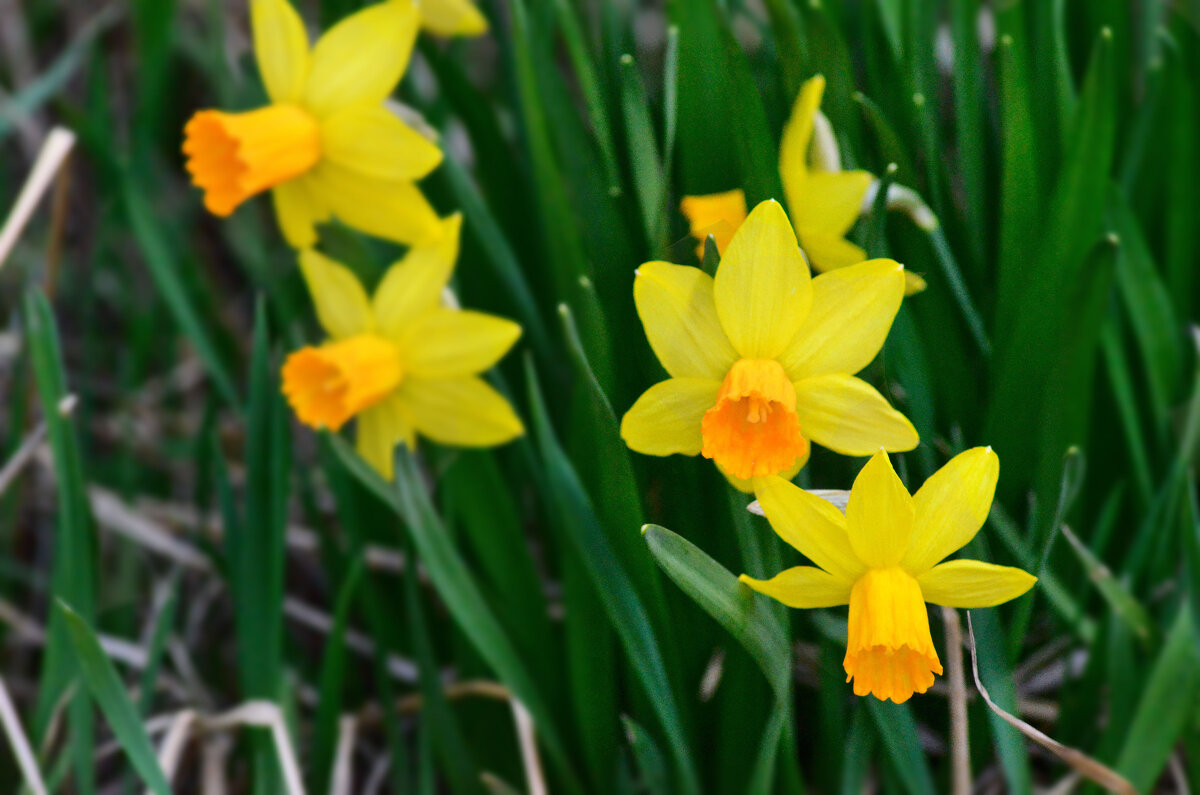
(1056, 142)
(105, 686)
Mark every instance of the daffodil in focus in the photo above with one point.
(824, 201)
(401, 362)
(761, 357)
(883, 559)
(327, 145)
(452, 18)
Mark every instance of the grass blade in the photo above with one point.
(73, 576)
(626, 612)
(106, 688)
(743, 615)
(163, 269)
(717, 591)
(898, 731)
(456, 585)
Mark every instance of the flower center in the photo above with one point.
(889, 652)
(233, 156)
(328, 385)
(753, 430)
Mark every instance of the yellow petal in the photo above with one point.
(810, 524)
(363, 57)
(298, 211)
(380, 429)
(445, 343)
(803, 586)
(762, 289)
(972, 583)
(391, 209)
(675, 303)
(370, 139)
(849, 417)
(666, 418)
(281, 47)
(460, 411)
(797, 135)
(830, 252)
(829, 202)
(913, 283)
(340, 300)
(414, 285)
(853, 309)
(952, 506)
(452, 18)
(879, 515)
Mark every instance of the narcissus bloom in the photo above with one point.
(401, 362)
(882, 558)
(327, 145)
(452, 18)
(761, 356)
(823, 200)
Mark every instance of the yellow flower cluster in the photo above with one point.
(330, 145)
(761, 357)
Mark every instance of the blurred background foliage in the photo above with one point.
(222, 555)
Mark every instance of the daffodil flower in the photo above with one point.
(452, 18)
(401, 362)
(823, 200)
(327, 145)
(882, 558)
(761, 356)
(716, 214)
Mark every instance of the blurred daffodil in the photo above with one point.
(327, 145)
(882, 558)
(452, 18)
(402, 362)
(716, 214)
(824, 201)
(761, 356)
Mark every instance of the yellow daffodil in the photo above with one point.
(882, 558)
(327, 145)
(761, 356)
(823, 200)
(402, 361)
(452, 18)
